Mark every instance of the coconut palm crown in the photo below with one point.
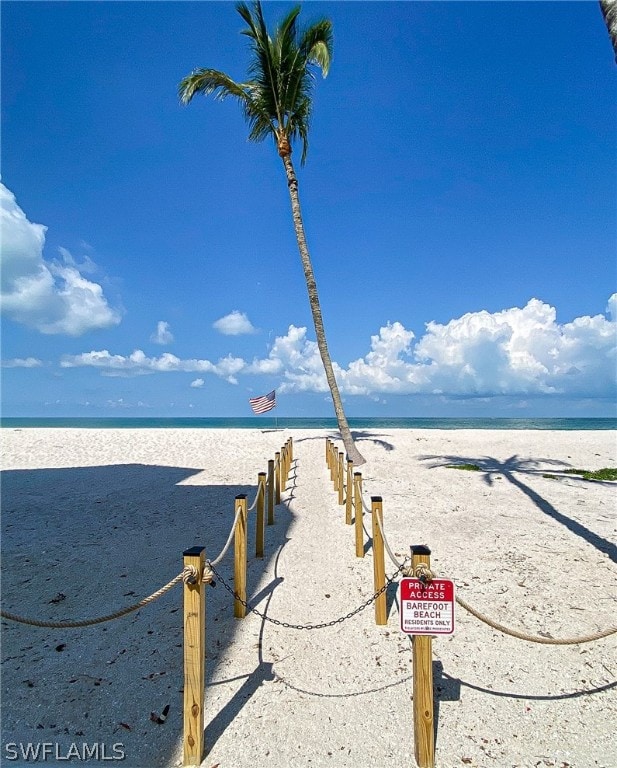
(277, 100)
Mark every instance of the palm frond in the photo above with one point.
(316, 45)
(210, 81)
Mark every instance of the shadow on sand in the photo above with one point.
(86, 541)
(334, 434)
(512, 468)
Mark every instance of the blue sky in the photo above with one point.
(458, 197)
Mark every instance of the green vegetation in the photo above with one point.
(468, 467)
(607, 473)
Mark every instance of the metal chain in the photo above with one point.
(334, 622)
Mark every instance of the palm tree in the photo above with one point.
(276, 101)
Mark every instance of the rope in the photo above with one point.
(386, 545)
(424, 573)
(189, 575)
(186, 575)
(218, 559)
(534, 638)
(254, 503)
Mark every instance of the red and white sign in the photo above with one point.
(427, 608)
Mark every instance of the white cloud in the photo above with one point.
(197, 383)
(52, 297)
(162, 335)
(137, 363)
(297, 359)
(87, 266)
(20, 362)
(234, 324)
(517, 352)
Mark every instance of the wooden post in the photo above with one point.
(284, 467)
(331, 458)
(291, 451)
(340, 479)
(349, 491)
(379, 567)
(277, 478)
(261, 504)
(271, 492)
(194, 659)
(422, 645)
(240, 557)
(358, 513)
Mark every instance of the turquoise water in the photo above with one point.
(271, 422)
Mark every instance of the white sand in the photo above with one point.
(102, 517)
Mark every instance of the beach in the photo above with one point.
(94, 520)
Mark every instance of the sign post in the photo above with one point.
(427, 609)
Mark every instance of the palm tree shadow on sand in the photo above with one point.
(358, 436)
(510, 468)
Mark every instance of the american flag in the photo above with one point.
(263, 403)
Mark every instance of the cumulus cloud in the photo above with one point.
(197, 383)
(516, 352)
(22, 362)
(297, 359)
(52, 297)
(162, 335)
(234, 324)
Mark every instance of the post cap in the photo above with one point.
(420, 549)
(193, 551)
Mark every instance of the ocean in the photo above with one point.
(273, 422)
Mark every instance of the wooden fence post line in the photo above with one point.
(379, 566)
(240, 557)
(271, 492)
(261, 505)
(194, 659)
(357, 498)
(422, 645)
(349, 491)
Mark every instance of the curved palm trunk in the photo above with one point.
(352, 452)
(609, 11)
